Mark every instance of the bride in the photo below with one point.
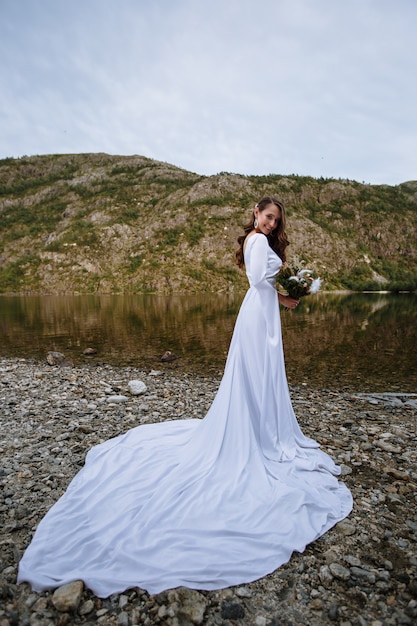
(208, 503)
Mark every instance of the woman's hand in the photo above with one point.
(289, 303)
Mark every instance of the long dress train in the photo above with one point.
(201, 503)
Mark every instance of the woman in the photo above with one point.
(202, 503)
(269, 219)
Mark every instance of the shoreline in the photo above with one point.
(363, 571)
(183, 293)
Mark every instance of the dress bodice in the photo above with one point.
(261, 262)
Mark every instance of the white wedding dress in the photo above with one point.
(201, 503)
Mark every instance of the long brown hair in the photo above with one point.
(277, 239)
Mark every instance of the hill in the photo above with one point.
(99, 223)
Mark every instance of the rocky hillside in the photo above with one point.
(99, 223)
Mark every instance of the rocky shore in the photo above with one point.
(363, 572)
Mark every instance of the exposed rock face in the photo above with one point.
(100, 223)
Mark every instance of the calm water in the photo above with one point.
(364, 342)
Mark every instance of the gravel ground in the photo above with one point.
(361, 572)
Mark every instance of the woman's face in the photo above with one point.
(268, 219)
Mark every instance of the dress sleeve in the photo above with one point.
(258, 263)
(264, 295)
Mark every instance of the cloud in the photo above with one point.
(250, 86)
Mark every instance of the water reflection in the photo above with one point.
(364, 341)
(357, 341)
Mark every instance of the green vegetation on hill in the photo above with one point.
(102, 223)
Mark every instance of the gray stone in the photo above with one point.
(244, 592)
(117, 399)
(411, 524)
(55, 358)
(232, 611)
(89, 351)
(123, 600)
(387, 447)
(123, 619)
(31, 599)
(101, 612)
(136, 387)
(331, 556)
(352, 560)
(362, 574)
(338, 571)
(86, 607)
(68, 597)
(168, 356)
(325, 576)
(191, 604)
(346, 528)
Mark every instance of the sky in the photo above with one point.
(309, 87)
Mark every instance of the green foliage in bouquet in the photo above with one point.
(297, 283)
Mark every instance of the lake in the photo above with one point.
(359, 342)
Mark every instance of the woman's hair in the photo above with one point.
(277, 239)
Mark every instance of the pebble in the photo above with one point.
(86, 608)
(244, 592)
(325, 575)
(136, 387)
(338, 571)
(346, 528)
(232, 610)
(117, 398)
(362, 574)
(55, 358)
(68, 597)
(363, 571)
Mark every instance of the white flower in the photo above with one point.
(302, 272)
(315, 285)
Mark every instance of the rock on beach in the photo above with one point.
(136, 387)
(363, 571)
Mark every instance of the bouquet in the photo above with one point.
(297, 283)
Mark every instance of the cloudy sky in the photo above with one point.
(312, 87)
